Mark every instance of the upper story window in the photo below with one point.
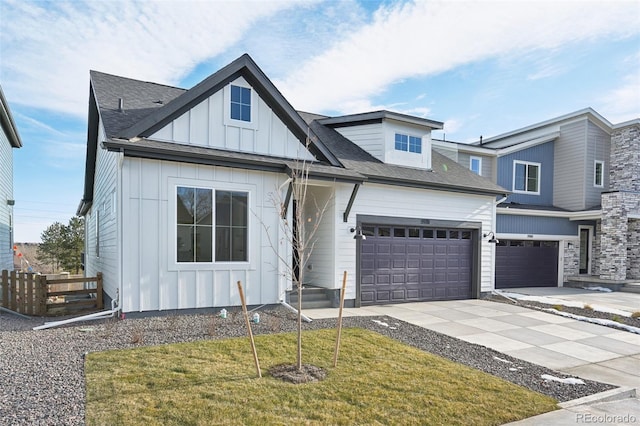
(408, 143)
(526, 177)
(598, 174)
(475, 164)
(195, 225)
(240, 103)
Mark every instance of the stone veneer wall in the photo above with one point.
(595, 249)
(619, 243)
(633, 250)
(571, 265)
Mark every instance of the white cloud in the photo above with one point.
(425, 38)
(623, 102)
(48, 48)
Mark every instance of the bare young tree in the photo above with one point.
(298, 230)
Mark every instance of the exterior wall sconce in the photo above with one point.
(359, 235)
(11, 202)
(493, 238)
(570, 245)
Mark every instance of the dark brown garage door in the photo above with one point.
(526, 264)
(408, 264)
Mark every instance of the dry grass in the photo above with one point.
(636, 314)
(377, 381)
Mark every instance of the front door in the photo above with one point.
(584, 250)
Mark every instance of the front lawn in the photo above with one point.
(378, 381)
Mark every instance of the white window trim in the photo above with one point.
(513, 178)
(595, 166)
(471, 158)
(173, 264)
(253, 124)
(409, 136)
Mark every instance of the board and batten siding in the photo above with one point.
(102, 254)
(153, 280)
(569, 167)
(320, 268)
(6, 211)
(403, 202)
(542, 154)
(205, 125)
(598, 149)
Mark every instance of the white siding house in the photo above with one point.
(179, 190)
(9, 139)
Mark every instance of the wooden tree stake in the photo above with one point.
(246, 318)
(344, 286)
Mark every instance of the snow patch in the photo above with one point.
(560, 302)
(506, 361)
(602, 289)
(567, 381)
(382, 323)
(598, 321)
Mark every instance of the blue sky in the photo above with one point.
(482, 67)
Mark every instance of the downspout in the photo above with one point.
(94, 316)
(120, 222)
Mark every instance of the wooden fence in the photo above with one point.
(34, 294)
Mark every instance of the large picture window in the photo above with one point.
(231, 226)
(198, 234)
(526, 177)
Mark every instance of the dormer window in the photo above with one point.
(408, 143)
(240, 103)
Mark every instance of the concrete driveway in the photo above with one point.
(566, 345)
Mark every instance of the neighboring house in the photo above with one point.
(9, 139)
(178, 207)
(573, 215)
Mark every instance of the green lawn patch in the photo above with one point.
(378, 381)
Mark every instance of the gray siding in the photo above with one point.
(369, 137)
(535, 225)
(102, 219)
(6, 193)
(542, 154)
(598, 149)
(464, 159)
(569, 168)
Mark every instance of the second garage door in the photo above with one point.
(526, 264)
(407, 264)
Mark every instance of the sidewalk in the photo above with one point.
(573, 347)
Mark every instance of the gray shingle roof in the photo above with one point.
(147, 106)
(445, 173)
(140, 99)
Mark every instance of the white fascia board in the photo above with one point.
(582, 215)
(464, 147)
(528, 144)
(535, 237)
(563, 119)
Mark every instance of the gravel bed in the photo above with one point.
(42, 375)
(589, 313)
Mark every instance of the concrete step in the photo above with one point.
(312, 298)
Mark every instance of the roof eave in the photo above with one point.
(8, 125)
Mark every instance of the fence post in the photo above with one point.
(13, 283)
(99, 300)
(42, 294)
(5, 289)
(31, 309)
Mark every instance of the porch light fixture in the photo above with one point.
(359, 235)
(493, 238)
